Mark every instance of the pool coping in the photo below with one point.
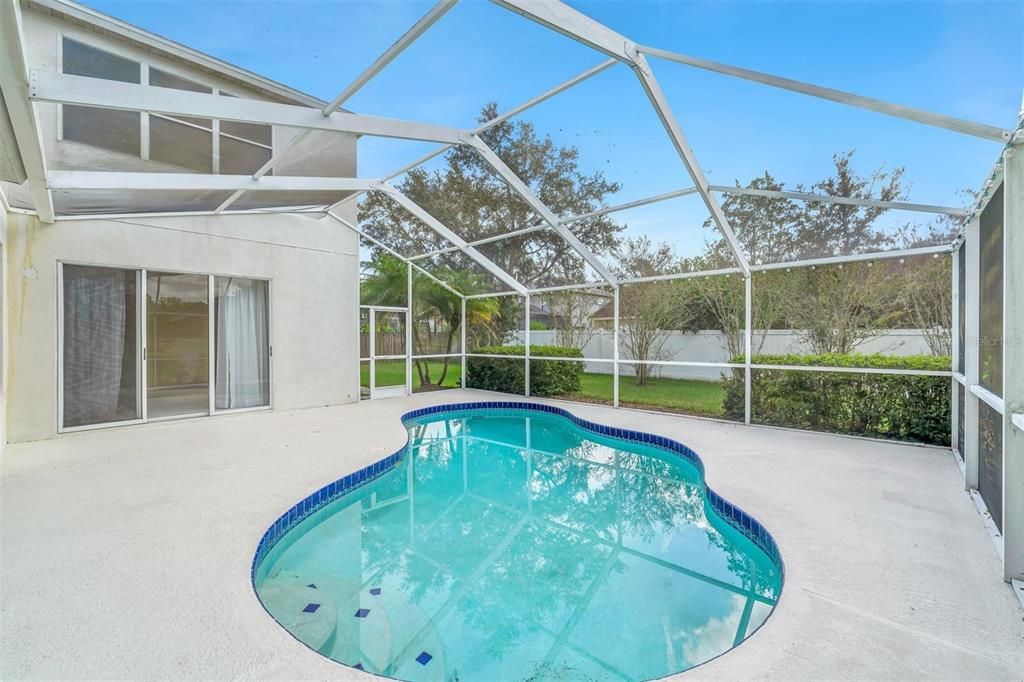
(731, 514)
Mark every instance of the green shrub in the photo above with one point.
(547, 377)
(902, 407)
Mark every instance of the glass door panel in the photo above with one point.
(100, 336)
(242, 337)
(178, 344)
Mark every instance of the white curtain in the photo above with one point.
(96, 314)
(243, 343)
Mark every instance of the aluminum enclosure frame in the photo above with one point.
(22, 88)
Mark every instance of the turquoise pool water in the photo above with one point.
(516, 545)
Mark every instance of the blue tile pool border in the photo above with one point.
(727, 511)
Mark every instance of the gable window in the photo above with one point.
(244, 147)
(117, 131)
(180, 140)
(199, 144)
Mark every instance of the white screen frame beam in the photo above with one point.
(98, 180)
(15, 81)
(407, 39)
(958, 125)
(53, 87)
(441, 229)
(487, 125)
(521, 188)
(849, 201)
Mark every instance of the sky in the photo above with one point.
(964, 59)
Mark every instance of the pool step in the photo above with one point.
(385, 632)
(371, 627)
(305, 611)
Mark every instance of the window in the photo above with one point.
(100, 337)
(117, 131)
(244, 147)
(83, 60)
(199, 144)
(180, 140)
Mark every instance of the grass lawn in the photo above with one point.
(678, 395)
(392, 373)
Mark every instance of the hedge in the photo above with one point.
(547, 377)
(912, 408)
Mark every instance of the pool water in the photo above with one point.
(516, 545)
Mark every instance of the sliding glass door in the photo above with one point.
(177, 345)
(242, 338)
(140, 345)
(99, 360)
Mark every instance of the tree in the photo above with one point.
(766, 229)
(469, 197)
(436, 311)
(723, 298)
(572, 316)
(927, 291)
(834, 308)
(839, 307)
(928, 299)
(650, 311)
(829, 229)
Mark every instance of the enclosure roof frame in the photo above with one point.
(314, 114)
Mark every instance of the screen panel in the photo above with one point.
(990, 460)
(961, 436)
(895, 312)
(990, 351)
(908, 408)
(961, 337)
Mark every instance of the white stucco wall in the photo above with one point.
(3, 329)
(313, 266)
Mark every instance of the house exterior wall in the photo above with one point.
(312, 264)
(3, 329)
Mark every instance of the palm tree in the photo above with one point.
(436, 311)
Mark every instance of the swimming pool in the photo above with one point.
(515, 541)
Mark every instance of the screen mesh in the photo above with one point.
(990, 455)
(990, 352)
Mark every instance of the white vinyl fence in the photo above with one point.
(710, 346)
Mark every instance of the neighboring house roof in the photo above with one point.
(123, 31)
(605, 312)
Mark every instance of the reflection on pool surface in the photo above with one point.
(515, 545)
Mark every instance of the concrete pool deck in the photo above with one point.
(125, 553)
